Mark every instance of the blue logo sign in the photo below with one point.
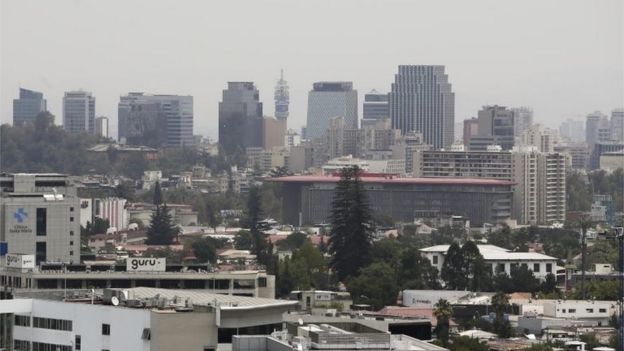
(20, 215)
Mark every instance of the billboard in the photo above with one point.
(20, 261)
(146, 264)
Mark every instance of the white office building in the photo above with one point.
(499, 259)
(140, 319)
(79, 112)
(40, 216)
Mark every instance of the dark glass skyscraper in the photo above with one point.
(375, 106)
(421, 100)
(28, 106)
(240, 118)
(156, 120)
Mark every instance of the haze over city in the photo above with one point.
(562, 58)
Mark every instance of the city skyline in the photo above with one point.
(557, 80)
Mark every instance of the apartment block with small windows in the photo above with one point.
(40, 216)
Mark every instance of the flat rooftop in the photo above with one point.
(393, 180)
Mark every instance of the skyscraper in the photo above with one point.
(328, 100)
(523, 119)
(240, 118)
(597, 128)
(572, 131)
(375, 107)
(421, 100)
(28, 106)
(78, 112)
(617, 125)
(282, 98)
(101, 126)
(155, 120)
(495, 127)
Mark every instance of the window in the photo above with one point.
(105, 329)
(21, 345)
(41, 252)
(548, 267)
(77, 342)
(51, 323)
(435, 259)
(71, 209)
(147, 334)
(71, 253)
(563, 310)
(589, 310)
(39, 346)
(536, 267)
(42, 221)
(262, 282)
(71, 232)
(71, 219)
(572, 310)
(22, 321)
(71, 243)
(602, 310)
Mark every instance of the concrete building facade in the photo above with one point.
(496, 126)
(375, 106)
(101, 126)
(40, 216)
(422, 100)
(79, 112)
(307, 199)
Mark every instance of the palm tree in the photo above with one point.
(443, 312)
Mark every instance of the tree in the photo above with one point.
(293, 241)
(465, 343)
(549, 285)
(501, 325)
(452, 269)
(254, 213)
(443, 311)
(158, 198)
(590, 341)
(375, 285)
(205, 249)
(99, 226)
(351, 226)
(415, 271)
(161, 231)
(523, 279)
(243, 240)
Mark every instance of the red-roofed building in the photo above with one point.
(307, 199)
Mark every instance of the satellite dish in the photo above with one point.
(115, 301)
(300, 321)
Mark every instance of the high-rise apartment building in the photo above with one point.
(156, 120)
(79, 112)
(422, 100)
(551, 185)
(495, 127)
(375, 107)
(538, 177)
(28, 106)
(617, 125)
(542, 138)
(597, 128)
(523, 119)
(572, 131)
(101, 126)
(40, 216)
(328, 100)
(240, 118)
(282, 98)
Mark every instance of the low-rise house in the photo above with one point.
(499, 259)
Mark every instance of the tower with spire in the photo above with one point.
(282, 98)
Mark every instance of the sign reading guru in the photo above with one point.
(146, 264)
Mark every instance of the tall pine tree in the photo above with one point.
(350, 238)
(162, 230)
(158, 199)
(254, 212)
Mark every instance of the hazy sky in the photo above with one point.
(563, 58)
